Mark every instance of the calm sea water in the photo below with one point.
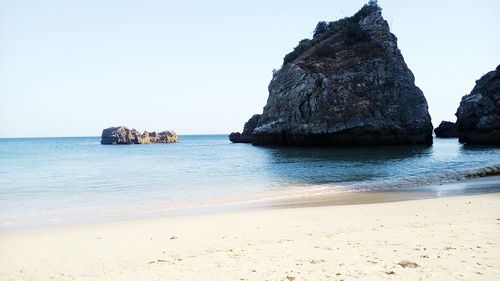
(52, 180)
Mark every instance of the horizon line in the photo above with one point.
(98, 136)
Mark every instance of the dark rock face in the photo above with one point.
(478, 116)
(248, 128)
(235, 137)
(352, 87)
(123, 135)
(446, 129)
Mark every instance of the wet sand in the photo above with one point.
(449, 238)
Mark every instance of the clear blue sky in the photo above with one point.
(72, 68)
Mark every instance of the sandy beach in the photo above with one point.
(450, 238)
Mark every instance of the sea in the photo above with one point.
(47, 181)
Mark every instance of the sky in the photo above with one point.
(73, 68)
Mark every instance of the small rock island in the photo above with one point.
(348, 85)
(123, 135)
(478, 116)
(446, 129)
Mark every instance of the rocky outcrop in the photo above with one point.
(478, 116)
(235, 137)
(446, 129)
(248, 128)
(349, 85)
(123, 135)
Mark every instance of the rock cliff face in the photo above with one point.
(246, 136)
(349, 85)
(478, 116)
(446, 129)
(123, 135)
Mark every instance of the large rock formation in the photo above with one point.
(446, 129)
(246, 136)
(349, 85)
(478, 116)
(123, 135)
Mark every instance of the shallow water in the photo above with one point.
(54, 180)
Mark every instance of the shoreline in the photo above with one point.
(299, 198)
(471, 186)
(436, 239)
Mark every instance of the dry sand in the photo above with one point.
(453, 238)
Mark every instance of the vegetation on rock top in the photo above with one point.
(352, 32)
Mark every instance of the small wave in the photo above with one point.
(484, 172)
(432, 178)
(427, 179)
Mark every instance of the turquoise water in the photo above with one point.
(52, 180)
